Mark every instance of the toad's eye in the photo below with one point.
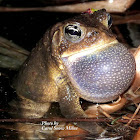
(109, 20)
(73, 33)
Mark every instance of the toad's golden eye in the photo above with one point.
(73, 32)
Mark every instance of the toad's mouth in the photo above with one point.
(101, 74)
(88, 50)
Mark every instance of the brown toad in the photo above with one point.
(77, 58)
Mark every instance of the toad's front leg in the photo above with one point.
(71, 108)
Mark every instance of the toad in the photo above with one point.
(77, 58)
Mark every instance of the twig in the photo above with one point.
(105, 113)
(12, 46)
(52, 119)
(109, 5)
(64, 120)
(137, 110)
(134, 18)
(9, 127)
(12, 56)
(128, 116)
